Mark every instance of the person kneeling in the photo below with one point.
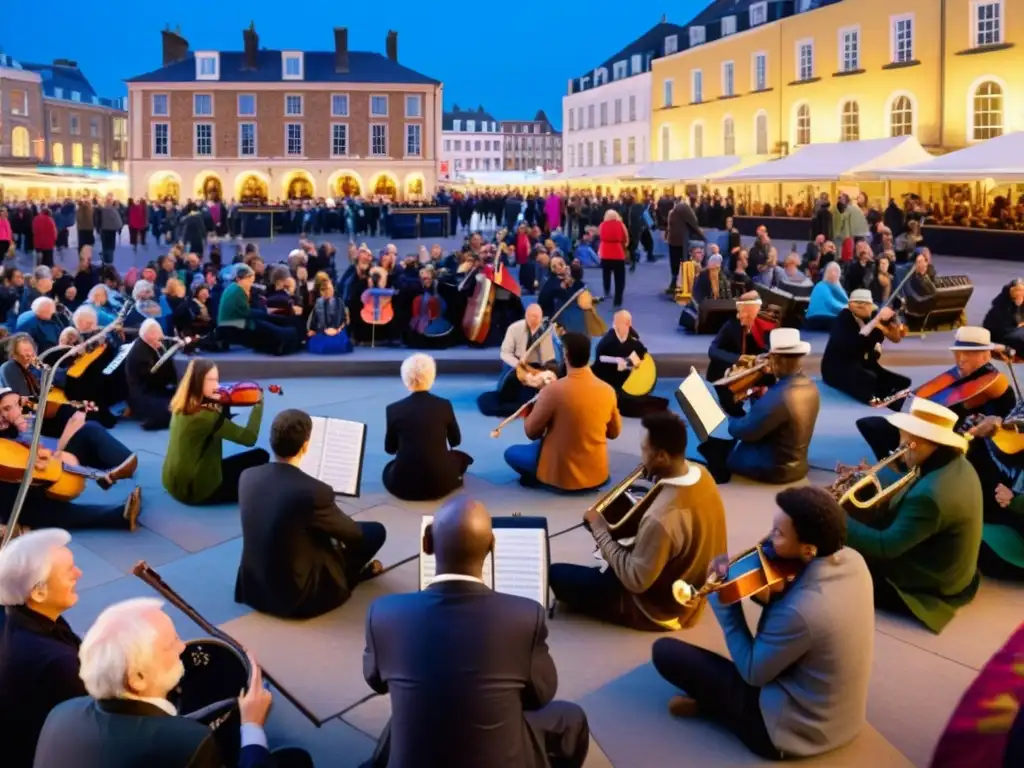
(778, 693)
(681, 530)
(301, 555)
(420, 430)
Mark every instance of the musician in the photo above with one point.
(777, 694)
(43, 324)
(681, 529)
(712, 282)
(570, 425)
(1005, 318)
(423, 434)
(149, 391)
(89, 445)
(91, 384)
(738, 342)
(301, 555)
(195, 470)
(425, 312)
(237, 323)
(486, 650)
(851, 360)
(770, 442)
(558, 288)
(38, 648)
(924, 556)
(130, 663)
(616, 352)
(542, 363)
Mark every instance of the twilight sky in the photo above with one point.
(513, 59)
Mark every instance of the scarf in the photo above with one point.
(760, 330)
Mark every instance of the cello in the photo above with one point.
(377, 309)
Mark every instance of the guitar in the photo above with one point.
(63, 480)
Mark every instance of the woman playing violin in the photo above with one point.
(195, 470)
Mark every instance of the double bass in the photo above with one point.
(487, 279)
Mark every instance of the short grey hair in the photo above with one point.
(832, 268)
(84, 311)
(148, 325)
(26, 562)
(43, 301)
(419, 372)
(96, 290)
(141, 288)
(714, 260)
(42, 273)
(243, 271)
(118, 643)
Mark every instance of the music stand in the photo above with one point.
(702, 412)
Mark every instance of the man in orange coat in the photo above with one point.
(570, 425)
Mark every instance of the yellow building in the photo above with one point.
(757, 79)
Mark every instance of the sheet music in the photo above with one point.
(122, 353)
(520, 563)
(428, 564)
(335, 454)
(699, 405)
(310, 463)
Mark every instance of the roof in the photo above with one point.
(363, 67)
(68, 78)
(652, 41)
(998, 159)
(480, 115)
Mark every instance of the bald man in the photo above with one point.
(486, 651)
(618, 352)
(520, 336)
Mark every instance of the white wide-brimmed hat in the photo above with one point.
(748, 298)
(862, 296)
(786, 341)
(930, 421)
(971, 338)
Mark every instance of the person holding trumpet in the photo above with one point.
(682, 526)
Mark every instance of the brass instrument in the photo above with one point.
(882, 402)
(852, 481)
(621, 507)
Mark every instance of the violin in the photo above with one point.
(951, 389)
(756, 573)
(244, 393)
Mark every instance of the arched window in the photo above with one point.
(57, 154)
(20, 144)
(761, 133)
(698, 140)
(988, 111)
(849, 126)
(803, 125)
(728, 137)
(76, 155)
(666, 153)
(901, 117)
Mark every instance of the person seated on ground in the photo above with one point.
(502, 711)
(39, 284)
(739, 281)
(689, 271)
(769, 444)
(713, 282)
(921, 284)
(327, 321)
(89, 384)
(619, 352)
(146, 304)
(38, 649)
(923, 556)
(195, 470)
(1005, 318)
(769, 273)
(1002, 545)
(86, 444)
(738, 342)
(777, 692)
(557, 289)
(793, 274)
(851, 360)
(828, 299)
(150, 391)
(883, 283)
(237, 323)
(42, 324)
(301, 555)
(681, 529)
(422, 434)
(534, 273)
(860, 272)
(539, 367)
(99, 301)
(130, 664)
(570, 425)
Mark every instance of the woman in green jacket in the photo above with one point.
(238, 323)
(195, 472)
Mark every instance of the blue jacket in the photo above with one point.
(827, 300)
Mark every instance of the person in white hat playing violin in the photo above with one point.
(769, 444)
(851, 359)
(925, 560)
(738, 342)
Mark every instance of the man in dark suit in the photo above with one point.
(301, 555)
(38, 649)
(130, 662)
(149, 393)
(468, 669)
(682, 228)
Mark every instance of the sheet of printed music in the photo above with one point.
(335, 453)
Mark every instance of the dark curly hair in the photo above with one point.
(817, 517)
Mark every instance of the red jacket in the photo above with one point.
(613, 240)
(44, 233)
(137, 216)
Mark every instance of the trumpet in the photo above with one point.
(622, 517)
(852, 481)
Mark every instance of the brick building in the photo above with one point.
(279, 124)
(531, 144)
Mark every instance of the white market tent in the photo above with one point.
(690, 169)
(505, 178)
(1000, 159)
(832, 162)
(597, 173)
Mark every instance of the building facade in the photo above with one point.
(762, 78)
(267, 125)
(471, 141)
(531, 144)
(606, 115)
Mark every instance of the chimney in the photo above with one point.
(175, 46)
(251, 46)
(341, 49)
(392, 45)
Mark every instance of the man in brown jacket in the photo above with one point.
(682, 228)
(570, 424)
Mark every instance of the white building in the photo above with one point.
(470, 141)
(606, 115)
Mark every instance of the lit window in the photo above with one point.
(988, 23)
(339, 140)
(77, 156)
(849, 129)
(901, 117)
(631, 150)
(413, 137)
(247, 105)
(204, 140)
(903, 39)
(379, 139)
(57, 154)
(616, 151)
(247, 139)
(728, 137)
(698, 140)
(988, 111)
(803, 125)
(20, 144)
(379, 106)
(761, 133)
(97, 157)
(293, 139)
(293, 105)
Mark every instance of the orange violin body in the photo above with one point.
(244, 393)
(972, 392)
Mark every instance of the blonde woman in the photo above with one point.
(612, 252)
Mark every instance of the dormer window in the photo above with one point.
(584, 82)
(697, 35)
(471, 126)
(671, 44)
(728, 26)
(58, 93)
(758, 13)
(76, 96)
(292, 65)
(207, 66)
(637, 63)
(600, 76)
(456, 125)
(619, 70)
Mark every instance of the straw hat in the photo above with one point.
(748, 298)
(786, 341)
(971, 338)
(930, 421)
(862, 296)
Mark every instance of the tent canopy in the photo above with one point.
(833, 162)
(1000, 159)
(691, 169)
(598, 173)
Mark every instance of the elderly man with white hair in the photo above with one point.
(149, 391)
(43, 324)
(422, 434)
(618, 354)
(130, 664)
(146, 304)
(39, 650)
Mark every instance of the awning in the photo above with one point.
(1000, 159)
(692, 169)
(598, 173)
(833, 162)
